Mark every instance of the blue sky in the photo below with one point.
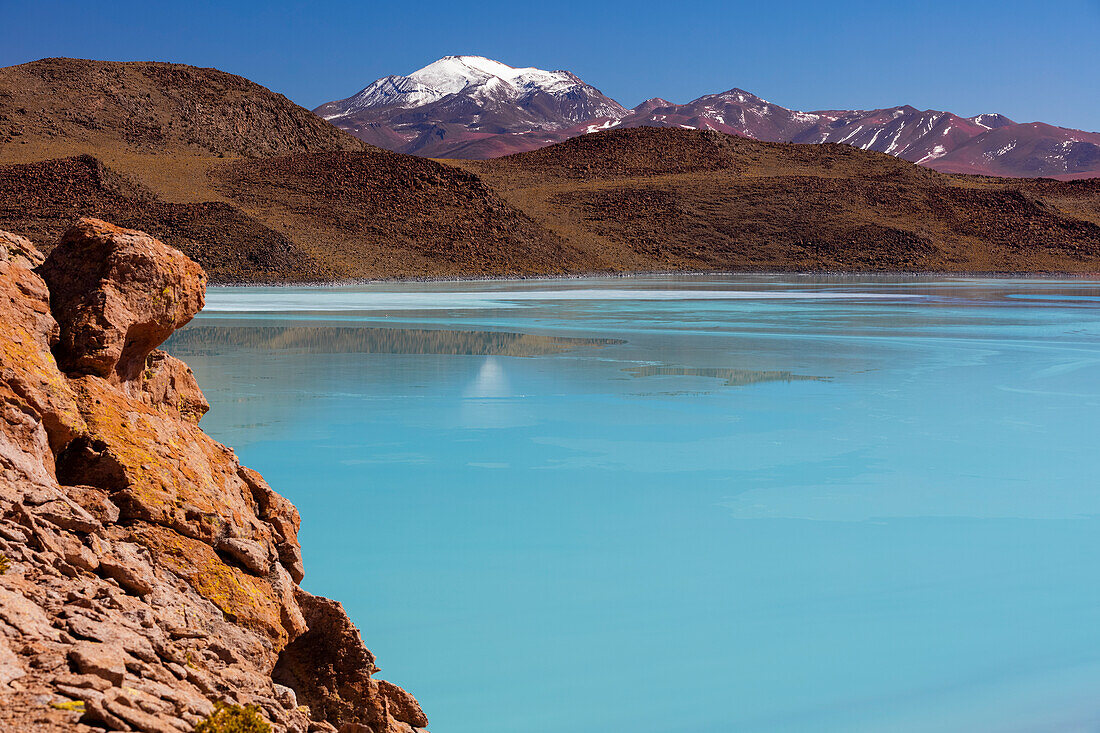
(1029, 60)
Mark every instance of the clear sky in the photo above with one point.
(1029, 60)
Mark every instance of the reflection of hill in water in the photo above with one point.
(733, 377)
(351, 340)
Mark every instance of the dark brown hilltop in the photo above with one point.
(161, 124)
(383, 214)
(147, 106)
(312, 204)
(40, 200)
(147, 577)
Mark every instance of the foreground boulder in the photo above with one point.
(118, 294)
(146, 574)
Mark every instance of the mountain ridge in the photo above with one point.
(474, 93)
(465, 127)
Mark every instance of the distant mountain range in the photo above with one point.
(476, 108)
(257, 189)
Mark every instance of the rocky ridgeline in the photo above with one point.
(147, 574)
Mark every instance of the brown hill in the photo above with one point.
(41, 200)
(163, 124)
(310, 217)
(381, 214)
(651, 151)
(151, 106)
(665, 199)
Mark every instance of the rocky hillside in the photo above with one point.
(150, 106)
(304, 218)
(666, 199)
(148, 581)
(640, 199)
(380, 214)
(41, 200)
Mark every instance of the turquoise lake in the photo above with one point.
(673, 504)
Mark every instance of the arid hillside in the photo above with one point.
(165, 123)
(153, 107)
(665, 199)
(257, 189)
(381, 214)
(40, 201)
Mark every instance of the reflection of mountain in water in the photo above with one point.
(350, 340)
(733, 377)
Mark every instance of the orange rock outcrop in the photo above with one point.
(149, 574)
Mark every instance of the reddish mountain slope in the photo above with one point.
(445, 110)
(988, 144)
(462, 98)
(1032, 150)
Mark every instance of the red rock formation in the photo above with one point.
(331, 671)
(149, 573)
(118, 294)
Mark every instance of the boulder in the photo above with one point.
(251, 555)
(28, 619)
(117, 294)
(19, 251)
(94, 501)
(330, 669)
(127, 565)
(11, 668)
(40, 410)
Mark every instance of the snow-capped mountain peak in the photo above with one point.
(991, 120)
(475, 77)
(453, 74)
(468, 95)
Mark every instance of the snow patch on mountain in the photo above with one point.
(937, 152)
(476, 77)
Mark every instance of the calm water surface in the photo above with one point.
(681, 504)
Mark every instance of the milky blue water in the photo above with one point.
(682, 504)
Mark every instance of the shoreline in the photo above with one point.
(908, 274)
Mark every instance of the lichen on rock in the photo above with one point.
(150, 575)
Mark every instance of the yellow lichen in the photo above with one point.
(244, 598)
(228, 718)
(75, 706)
